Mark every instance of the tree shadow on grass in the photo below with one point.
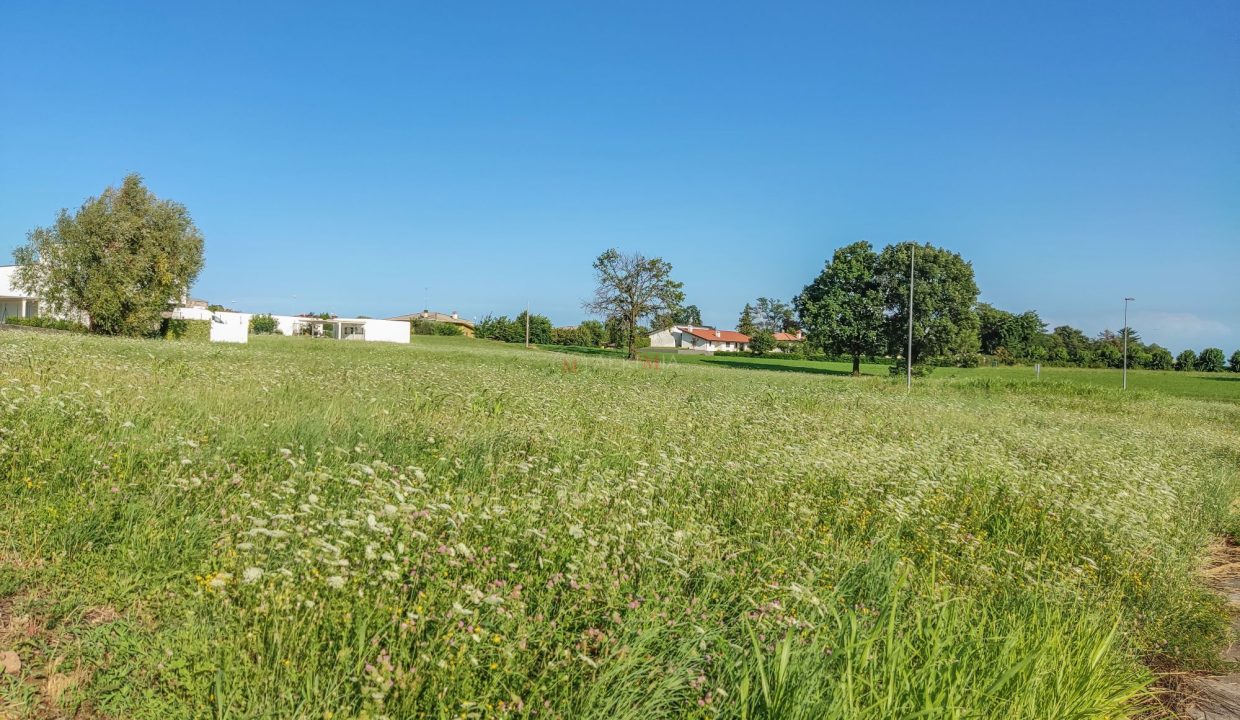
(1235, 377)
(742, 365)
(579, 350)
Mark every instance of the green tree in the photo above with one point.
(1160, 358)
(687, 315)
(774, 316)
(1023, 336)
(496, 327)
(1234, 363)
(263, 324)
(944, 296)
(122, 258)
(1211, 360)
(745, 324)
(1186, 361)
(590, 333)
(762, 342)
(540, 329)
(616, 334)
(1075, 343)
(842, 309)
(632, 287)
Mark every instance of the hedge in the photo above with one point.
(188, 330)
(49, 323)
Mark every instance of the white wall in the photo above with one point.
(396, 331)
(665, 338)
(231, 332)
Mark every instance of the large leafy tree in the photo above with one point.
(1186, 361)
(632, 287)
(120, 259)
(1211, 360)
(1075, 343)
(1160, 358)
(1022, 336)
(842, 309)
(945, 293)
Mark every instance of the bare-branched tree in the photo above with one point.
(632, 287)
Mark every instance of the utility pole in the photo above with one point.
(1126, 301)
(527, 323)
(908, 356)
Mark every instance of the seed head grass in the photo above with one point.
(311, 529)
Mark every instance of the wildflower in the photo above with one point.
(251, 575)
(335, 582)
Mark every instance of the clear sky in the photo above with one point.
(364, 158)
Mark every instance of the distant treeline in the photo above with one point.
(590, 333)
(1011, 338)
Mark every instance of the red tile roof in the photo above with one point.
(717, 335)
(788, 337)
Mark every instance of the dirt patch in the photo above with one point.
(1217, 697)
(48, 685)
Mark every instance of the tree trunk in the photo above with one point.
(856, 364)
(632, 322)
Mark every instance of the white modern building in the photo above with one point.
(13, 302)
(364, 329)
(701, 339)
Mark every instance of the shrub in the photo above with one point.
(897, 370)
(188, 330)
(762, 342)
(264, 324)
(48, 323)
(1234, 363)
(447, 329)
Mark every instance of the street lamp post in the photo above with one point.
(1126, 301)
(908, 356)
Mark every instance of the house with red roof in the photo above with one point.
(701, 339)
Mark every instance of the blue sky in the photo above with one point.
(360, 158)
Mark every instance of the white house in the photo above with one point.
(14, 302)
(703, 339)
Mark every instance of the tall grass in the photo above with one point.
(298, 528)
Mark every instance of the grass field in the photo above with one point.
(314, 529)
(1209, 386)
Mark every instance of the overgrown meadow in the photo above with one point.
(315, 529)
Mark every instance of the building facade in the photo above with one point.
(699, 339)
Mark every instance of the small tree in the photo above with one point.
(1211, 360)
(1186, 361)
(121, 259)
(745, 323)
(1234, 363)
(761, 342)
(632, 287)
(263, 324)
(540, 329)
